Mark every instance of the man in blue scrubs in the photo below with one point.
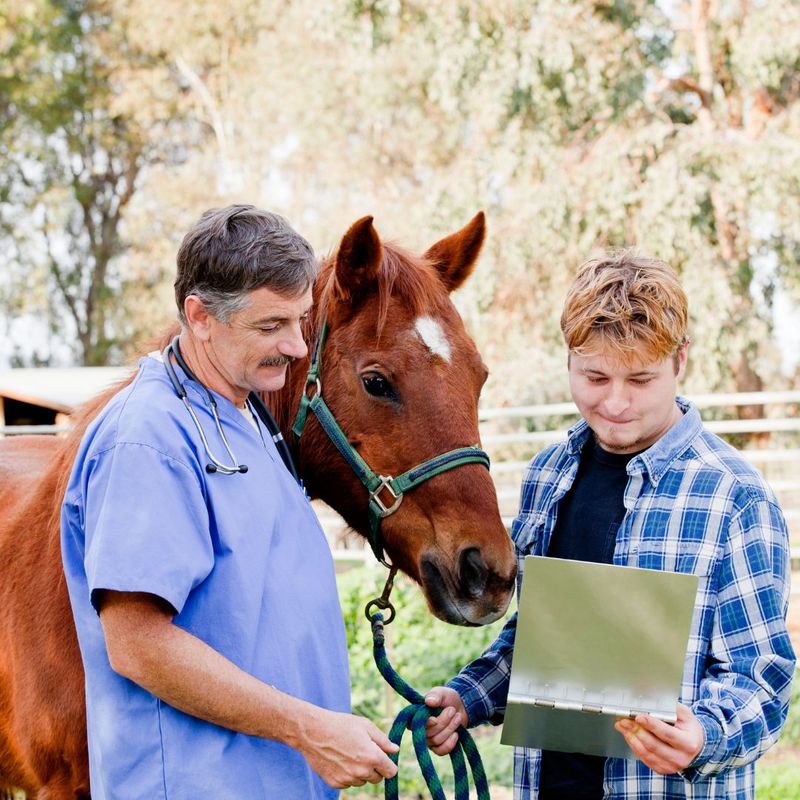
(205, 602)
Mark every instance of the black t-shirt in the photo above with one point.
(589, 517)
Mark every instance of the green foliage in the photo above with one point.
(576, 125)
(790, 736)
(72, 150)
(778, 780)
(426, 653)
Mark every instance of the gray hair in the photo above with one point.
(232, 251)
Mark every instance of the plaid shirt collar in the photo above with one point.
(656, 460)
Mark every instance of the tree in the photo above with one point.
(73, 148)
(576, 124)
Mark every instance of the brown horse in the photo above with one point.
(401, 376)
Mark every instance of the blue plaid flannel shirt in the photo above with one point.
(693, 504)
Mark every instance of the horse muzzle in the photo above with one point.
(471, 593)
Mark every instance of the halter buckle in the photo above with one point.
(385, 483)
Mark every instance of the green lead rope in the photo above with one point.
(415, 716)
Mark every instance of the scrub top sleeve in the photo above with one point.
(146, 524)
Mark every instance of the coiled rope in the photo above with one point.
(414, 717)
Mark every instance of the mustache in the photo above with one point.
(277, 361)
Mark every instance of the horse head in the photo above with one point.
(401, 378)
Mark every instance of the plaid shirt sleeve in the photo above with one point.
(483, 684)
(743, 697)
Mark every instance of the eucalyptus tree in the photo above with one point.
(81, 115)
(576, 125)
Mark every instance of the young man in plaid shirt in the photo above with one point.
(640, 482)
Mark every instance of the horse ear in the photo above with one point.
(455, 256)
(358, 261)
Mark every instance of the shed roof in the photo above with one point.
(59, 388)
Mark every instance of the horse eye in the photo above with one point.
(378, 386)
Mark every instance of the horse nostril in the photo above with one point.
(472, 572)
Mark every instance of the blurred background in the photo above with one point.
(575, 125)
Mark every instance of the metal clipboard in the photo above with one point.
(595, 642)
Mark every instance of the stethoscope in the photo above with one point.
(173, 350)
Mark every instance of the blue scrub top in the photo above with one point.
(243, 561)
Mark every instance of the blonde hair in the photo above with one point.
(624, 304)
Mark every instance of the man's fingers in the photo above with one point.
(382, 740)
(634, 733)
(447, 747)
(376, 777)
(434, 724)
(433, 699)
(684, 739)
(661, 730)
(448, 722)
(664, 748)
(441, 730)
(642, 743)
(386, 768)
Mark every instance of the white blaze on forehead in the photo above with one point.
(433, 336)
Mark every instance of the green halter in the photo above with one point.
(374, 483)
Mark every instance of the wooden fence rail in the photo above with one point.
(513, 435)
(771, 442)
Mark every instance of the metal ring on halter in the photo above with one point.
(318, 382)
(386, 484)
(383, 602)
(382, 606)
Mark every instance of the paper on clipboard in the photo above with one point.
(595, 642)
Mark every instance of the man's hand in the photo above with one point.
(441, 732)
(662, 747)
(345, 750)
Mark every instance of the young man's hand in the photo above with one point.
(441, 732)
(662, 747)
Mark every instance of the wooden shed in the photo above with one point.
(48, 395)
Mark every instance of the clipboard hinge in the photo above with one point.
(586, 708)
